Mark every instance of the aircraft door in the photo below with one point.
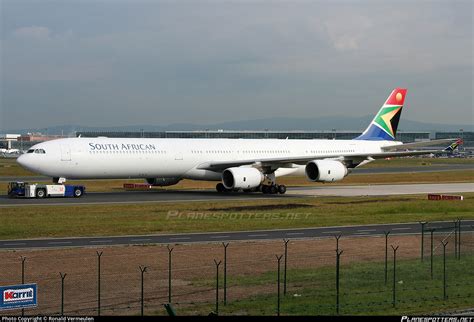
(65, 152)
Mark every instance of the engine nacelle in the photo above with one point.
(325, 170)
(162, 182)
(241, 178)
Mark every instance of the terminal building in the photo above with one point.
(467, 137)
(24, 141)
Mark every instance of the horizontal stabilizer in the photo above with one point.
(421, 144)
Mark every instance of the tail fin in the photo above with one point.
(454, 146)
(385, 123)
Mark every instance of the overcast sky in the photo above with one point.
(109, 63)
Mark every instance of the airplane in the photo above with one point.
(9, 150)
(238, 164)
(10, 153)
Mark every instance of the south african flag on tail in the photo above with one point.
(454, 146)
(385, 123)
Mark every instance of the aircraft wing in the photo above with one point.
(288, 162)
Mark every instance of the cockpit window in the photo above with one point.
(30, 151)
(40, 151)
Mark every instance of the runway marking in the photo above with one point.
(179, 238)
(14, 244)
(407, 228)
(362, 234)
(100, 241)
(366, 230)
(331, 232)
(295, 233)
(59, 242)
(140, 240)
(258, 235)
(220, 236)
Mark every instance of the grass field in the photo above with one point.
(362, 290)
(9, 167)
(136, 219)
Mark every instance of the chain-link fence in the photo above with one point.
(312, 280)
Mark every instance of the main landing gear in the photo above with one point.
(274, 189)
(266, 189)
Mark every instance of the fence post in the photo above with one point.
(23, 259)
(444, 243)
(278, 283)
(63, 276)
(394, 274)
(386, 254)
(459, 238)
(142, 270)
(99, 254)
(337, 242)
(286, 241)
(225, 272)
(431, 256)
(338, 255)
(455, 239)
(217, 285)
(170, 250)
(422, 223)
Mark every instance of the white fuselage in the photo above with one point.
(116, 158)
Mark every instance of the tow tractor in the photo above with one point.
(28, 190)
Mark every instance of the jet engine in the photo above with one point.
(162, 182)
(241, 178)
(325, 170)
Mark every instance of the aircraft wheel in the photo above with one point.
(273, 189)
(220, 187)
(281, 189)
(265, 189)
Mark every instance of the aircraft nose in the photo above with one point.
(23, 161)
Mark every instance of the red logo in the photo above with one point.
(8, 295)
